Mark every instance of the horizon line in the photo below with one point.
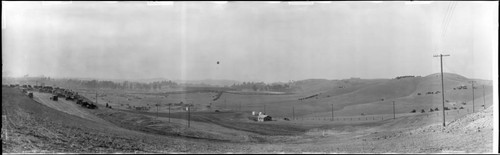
(184, 81)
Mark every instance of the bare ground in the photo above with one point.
(28, 126)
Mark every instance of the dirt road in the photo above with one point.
(69, 107)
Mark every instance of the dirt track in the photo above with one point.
(69, 107)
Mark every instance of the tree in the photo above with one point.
(413, 111)
(422, 111)
(431, 110)
(437, 109)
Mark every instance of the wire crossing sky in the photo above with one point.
(248, 41)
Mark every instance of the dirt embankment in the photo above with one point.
(28, 126)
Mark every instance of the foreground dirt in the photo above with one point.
(28, 126)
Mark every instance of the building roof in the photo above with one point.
(263, 116)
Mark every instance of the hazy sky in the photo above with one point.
(253, 41)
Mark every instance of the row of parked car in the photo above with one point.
(59, 93)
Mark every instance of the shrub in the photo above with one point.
(437, 109)
(461, 108)
(446, 108)
(422, 111)
(413, 111)
(430, 110)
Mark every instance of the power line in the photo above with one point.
(447, 23)
(447, 13)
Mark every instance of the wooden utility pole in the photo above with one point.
(472, 82)
(394, 109)
(442, 84)
(484, 99)
(189, 115)
(157, 104)
(332, 112)
(169, 111)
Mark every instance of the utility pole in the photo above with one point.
(169, 111)
(189, 115)
(293, 112)
(394, 109)
(484, 99)
(472, 82)
(157, 106)
(332, 112)
(442, 83)
(224, 101)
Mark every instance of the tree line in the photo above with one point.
(261, 86)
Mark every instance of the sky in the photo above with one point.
(252, 41)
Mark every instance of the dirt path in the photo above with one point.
(69, 107)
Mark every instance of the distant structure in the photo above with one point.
(263, 118)
(406, 76)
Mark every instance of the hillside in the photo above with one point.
(43, 125)
(377, 95)
(29, 126)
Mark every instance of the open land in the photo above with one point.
(364, 119)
